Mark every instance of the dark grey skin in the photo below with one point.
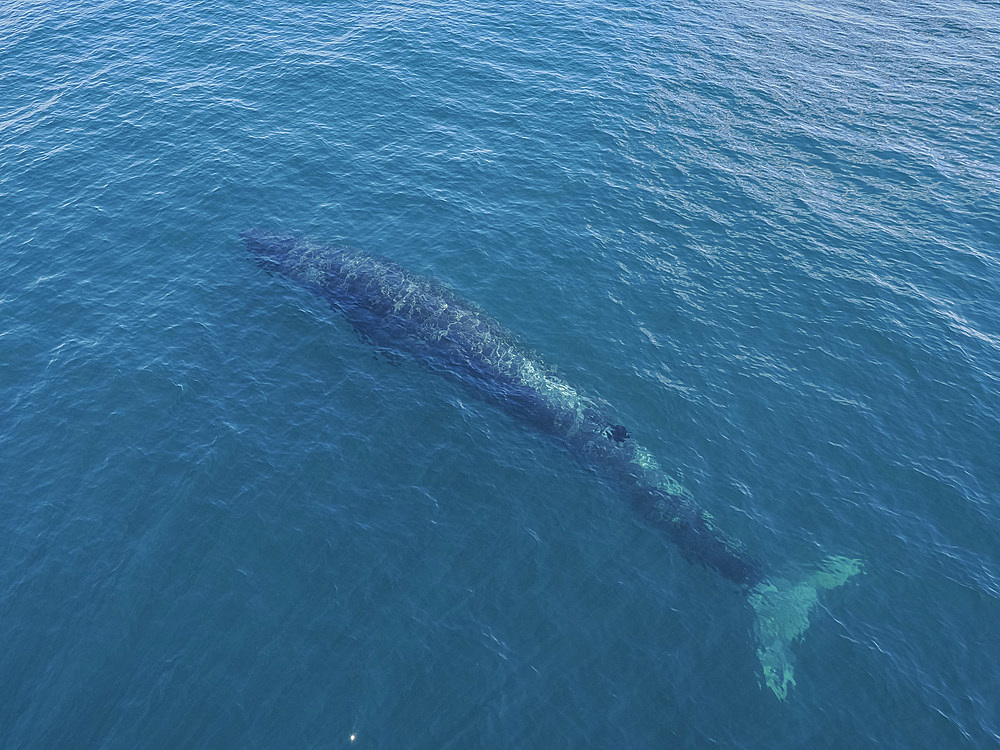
(417, 316)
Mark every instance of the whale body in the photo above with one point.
(422, 318)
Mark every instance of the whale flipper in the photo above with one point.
(782, 615)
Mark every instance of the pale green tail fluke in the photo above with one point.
(783, 609)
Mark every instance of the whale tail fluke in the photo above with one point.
(782, 611)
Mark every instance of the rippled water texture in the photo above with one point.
(766, 234)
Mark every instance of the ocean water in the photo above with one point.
(767, 233)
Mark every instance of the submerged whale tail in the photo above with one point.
(782, 611)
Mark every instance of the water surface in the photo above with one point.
(766, 233)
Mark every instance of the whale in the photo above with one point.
(419, 317)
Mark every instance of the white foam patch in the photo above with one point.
(656, 476)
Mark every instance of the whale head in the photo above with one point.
(270, 250)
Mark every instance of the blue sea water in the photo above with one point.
(767, 233)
